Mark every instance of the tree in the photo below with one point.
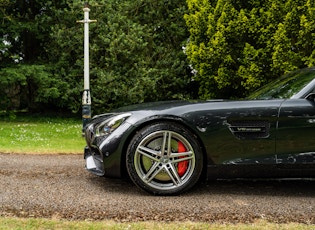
(135, 53)
(236, 46)
(25, 79)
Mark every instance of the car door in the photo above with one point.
(295, 138)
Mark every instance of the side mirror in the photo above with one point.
(311, 97)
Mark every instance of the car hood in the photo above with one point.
(161, 105)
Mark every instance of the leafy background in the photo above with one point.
(148, 50)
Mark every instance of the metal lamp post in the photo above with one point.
(86, 96)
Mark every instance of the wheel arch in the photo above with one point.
(171, 119)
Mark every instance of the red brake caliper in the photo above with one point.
(183, 165)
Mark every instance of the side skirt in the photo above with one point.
(260, 171)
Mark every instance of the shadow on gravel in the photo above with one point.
(284, 187)
(114, 185)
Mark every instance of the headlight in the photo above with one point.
(109, 125)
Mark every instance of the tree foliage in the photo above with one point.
(27, 73)
(236, 46)
(135, 51)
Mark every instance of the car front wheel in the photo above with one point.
(164, 159)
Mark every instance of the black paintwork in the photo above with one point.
(246, 138)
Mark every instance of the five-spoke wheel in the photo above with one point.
(164, 158)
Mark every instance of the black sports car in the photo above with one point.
(167, 147)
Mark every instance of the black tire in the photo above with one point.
(175, 169)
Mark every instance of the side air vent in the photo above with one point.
(250, 129)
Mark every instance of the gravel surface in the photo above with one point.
(57, 186)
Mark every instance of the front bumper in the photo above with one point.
(93, 162)
(103, 154)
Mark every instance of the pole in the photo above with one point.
(86, 96)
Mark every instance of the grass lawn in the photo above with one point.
(28, 134)
(31, 223)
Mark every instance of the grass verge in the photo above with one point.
(38, 223)
(31, 134)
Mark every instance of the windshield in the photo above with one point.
(286, 86)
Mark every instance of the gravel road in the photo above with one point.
(57, 186)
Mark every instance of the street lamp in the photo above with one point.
(86, 96)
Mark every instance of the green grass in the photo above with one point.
(32, 223)
(28, 134)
